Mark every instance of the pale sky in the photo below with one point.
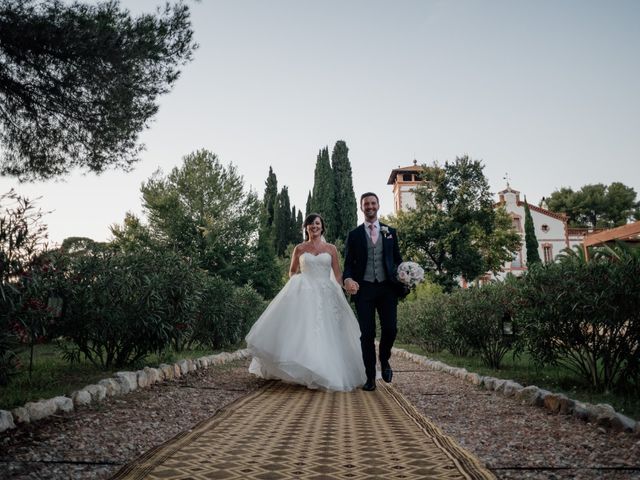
(546, 91)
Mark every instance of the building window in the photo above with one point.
(547, 250)
(545, 228)
(406, 177)
(517, 260)
(516, 223)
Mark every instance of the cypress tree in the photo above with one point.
(299, 222)
(266, 276)
(307, 209)
(295, 233)
(346, 207)
(270, 194)
(530, 240)
(281, 222)
(323, 199)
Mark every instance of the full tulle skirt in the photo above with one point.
(308, 335)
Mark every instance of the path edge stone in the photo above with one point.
(602, 414)
(120, 383)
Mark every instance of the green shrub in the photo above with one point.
(8, 338)
(423, 322)
(585, 316)
(121, 306)
(477, 318)
(22, 240)
(226, 313)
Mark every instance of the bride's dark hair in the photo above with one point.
(309, 220)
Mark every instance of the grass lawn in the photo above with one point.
(523, 371)
(53, 376)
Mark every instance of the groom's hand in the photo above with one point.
(351, 286)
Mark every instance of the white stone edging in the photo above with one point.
(120, 384)
(601, 414)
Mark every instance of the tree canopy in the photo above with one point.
(202, 210)
(270, 196)
(346, 209)
(323, 197)
(79, 82)
(282, 221)
(454, 229)
(596, 205)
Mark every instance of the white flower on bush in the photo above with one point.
(410, 274)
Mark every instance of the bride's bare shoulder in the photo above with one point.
(332, 248)
(299, 249)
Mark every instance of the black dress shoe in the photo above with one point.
(369, 386)
(387, 373)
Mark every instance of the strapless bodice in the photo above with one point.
(316, 266)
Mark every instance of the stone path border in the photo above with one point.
(601, 414)
(120, 384)
(124, 382)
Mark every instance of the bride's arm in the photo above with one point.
(335, 265)
(294, 268)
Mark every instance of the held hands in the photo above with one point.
(351, 286)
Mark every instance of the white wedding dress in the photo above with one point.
(308, 334)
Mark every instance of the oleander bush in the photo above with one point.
(480, 319)
(8, 345)
(122, 306)
(226, 313)
(581, 315)
(423, 322)
(118, 306)
(585, 316)
(22, 240)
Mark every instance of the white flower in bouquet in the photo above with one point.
(410, 274)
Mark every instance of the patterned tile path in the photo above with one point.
(286, 431)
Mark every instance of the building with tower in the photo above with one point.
(552, 230)
(404, 181)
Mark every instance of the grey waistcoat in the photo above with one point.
(374, 270)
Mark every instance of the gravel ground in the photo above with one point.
(514, 441)
(96, 441)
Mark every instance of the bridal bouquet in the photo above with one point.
(410, 274)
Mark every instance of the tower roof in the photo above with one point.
(415, 168)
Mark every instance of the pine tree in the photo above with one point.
(270, 195)
(346, 207)
(80, 81)
(281, 222)
(530, 240)
(323, 200)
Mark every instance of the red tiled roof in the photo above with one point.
(544, 211)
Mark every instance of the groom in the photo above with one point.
(371, 259)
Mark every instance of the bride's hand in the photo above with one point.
(351, 286)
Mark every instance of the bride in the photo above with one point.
(308, 334)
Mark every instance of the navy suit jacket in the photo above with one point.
(356, 252)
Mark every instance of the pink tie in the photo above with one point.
(374, 233)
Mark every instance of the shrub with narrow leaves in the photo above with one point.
(585, 316)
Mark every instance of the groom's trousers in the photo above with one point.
(380, 297)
